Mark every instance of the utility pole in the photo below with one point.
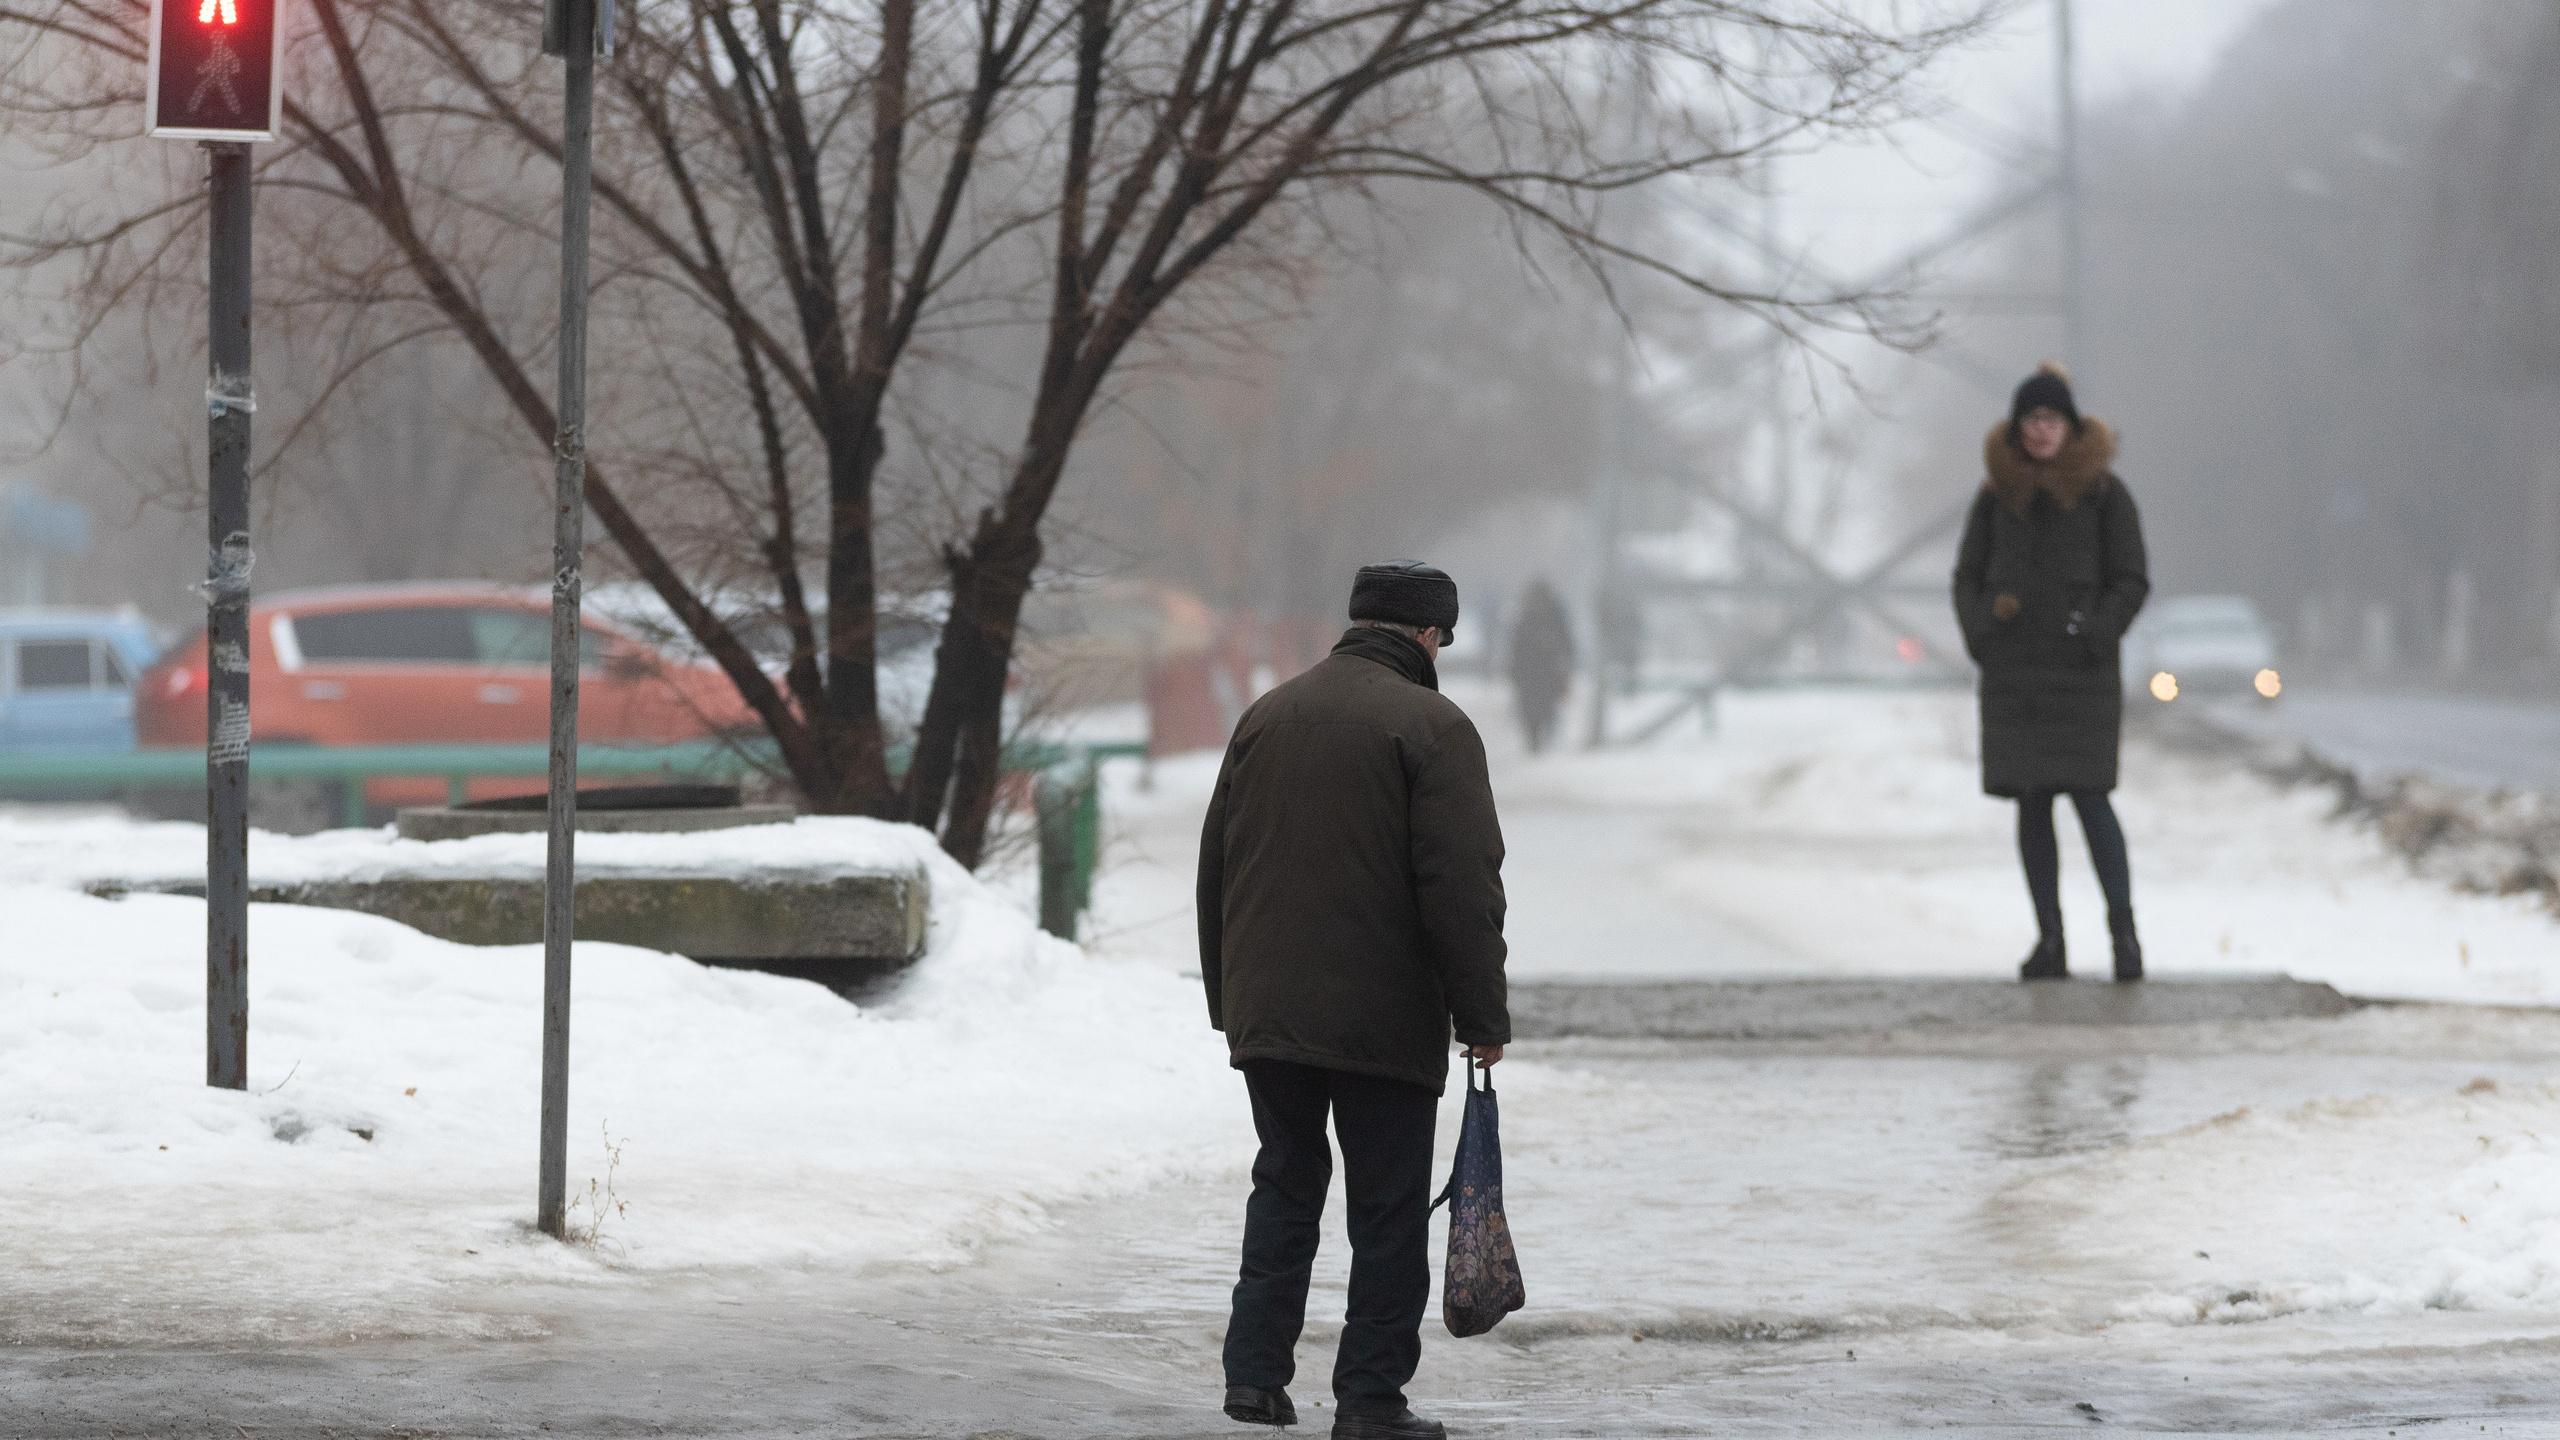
(574, 30)
(1610, 504)
(211, 78)
(1607, 518)
(2075, 260)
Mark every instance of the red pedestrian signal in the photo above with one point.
(213, 70)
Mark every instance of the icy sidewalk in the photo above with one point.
(2138, 1191)
(1827, 1238)
(1999, 1232)
(377, 1177)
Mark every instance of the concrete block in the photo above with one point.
(844, 931)
(433, 822)
(877, 918)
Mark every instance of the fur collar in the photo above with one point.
(2079, 471)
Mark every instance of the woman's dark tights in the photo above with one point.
(2043, 857)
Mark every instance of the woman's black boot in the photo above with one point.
(2045, 962)
(2128, 951)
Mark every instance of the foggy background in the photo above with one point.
(2316, 291)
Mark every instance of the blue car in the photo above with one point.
(66, 677)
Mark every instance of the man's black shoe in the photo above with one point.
(2045, 962)
(1255, 1405)
(1401, 1425)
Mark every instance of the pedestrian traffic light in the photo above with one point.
(213, 70)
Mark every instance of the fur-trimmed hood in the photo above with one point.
(2081, 469)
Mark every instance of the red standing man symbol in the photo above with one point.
(220, 71)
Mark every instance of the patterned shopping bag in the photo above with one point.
(1483, 1283)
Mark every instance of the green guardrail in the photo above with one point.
(1067, 790)
(55, 771)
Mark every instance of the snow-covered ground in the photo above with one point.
(1846, 833)
(377, 1175)
(102, 848)
(2379, 1205)
(2344, 1181)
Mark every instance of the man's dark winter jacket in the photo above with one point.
(1351, 873)
(2063, 536)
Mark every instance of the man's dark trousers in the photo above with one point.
(1385, 1128)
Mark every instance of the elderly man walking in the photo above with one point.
(1350, 923)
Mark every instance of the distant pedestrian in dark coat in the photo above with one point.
(1350, 918)
(2050, 573)
(1541, 662)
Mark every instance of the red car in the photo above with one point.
(438, 663)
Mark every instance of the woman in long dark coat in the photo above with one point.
(2050, 573)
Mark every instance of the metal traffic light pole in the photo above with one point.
(211, 77)
(228, 401)
(574, 30)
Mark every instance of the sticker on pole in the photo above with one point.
(213, 70)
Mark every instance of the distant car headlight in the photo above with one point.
(2164, 687)
(2269, 683)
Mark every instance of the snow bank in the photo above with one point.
(378, 1175)
(2374, 1205)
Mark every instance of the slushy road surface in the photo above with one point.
(2478, 740)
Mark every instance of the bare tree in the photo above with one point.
(828, 224)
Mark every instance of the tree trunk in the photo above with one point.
(974, 785)
(959, 746)
(851, 724)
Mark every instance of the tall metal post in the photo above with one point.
(1610, 503)
(1778, 505)
(568, 505)
(1607, 522)
(228, 402)
(2075, 260)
